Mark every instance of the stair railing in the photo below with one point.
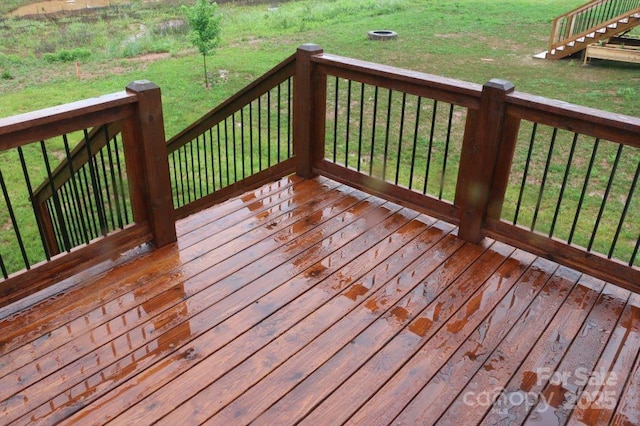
(584, 18)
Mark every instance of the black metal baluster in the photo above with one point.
(199, 157)
(68, 216)
(623, 216)
(56, 199)
(75, 188)
(289, 117)
(94, 183)
(174, 184)
(234, 142)
(213, 162)
(446, 152)
(14, 223)
(242, 141)
(430, 146)
(545, 174)
(335, 121)
(122, 187)
(260, 132)
(605, 197)
(373, 129)
(348, 126)
(3, 268)
(219, 155)
(634, 255)
(179, 151)
(584, 190)
(193, 172)
(106, 186)
(525, 173)
(400, 136)
(31, 198)
(226, 148)
(114, 183)
(416, 132)
(86, 196)
(361, 125)
(75, 213)
(386, 137)
(564, 184)
(251, 153)
(269, 128)
(279, 130)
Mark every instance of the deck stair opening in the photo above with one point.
(591, 23)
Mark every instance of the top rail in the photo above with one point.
(614, 127)
(412, 82)
(259, 87)
(54, 121)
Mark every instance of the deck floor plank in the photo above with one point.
(299, 253)
(307, 301)
(597, 403)
(472, 402)
(92, 339)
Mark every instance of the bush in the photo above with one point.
(77, 54)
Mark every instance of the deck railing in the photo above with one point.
(106, 195)
(247, 140)
(556, 179)
(85, 197)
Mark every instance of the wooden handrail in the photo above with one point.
(610, 126)
(51, 122)
(556, 39)
(260, 86)
(582, 8)
(412, 82)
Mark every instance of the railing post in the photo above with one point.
(479, 158)
(148, 163)
(309, 105)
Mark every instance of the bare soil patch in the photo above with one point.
(57, 6)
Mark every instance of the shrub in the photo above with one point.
(77, 54)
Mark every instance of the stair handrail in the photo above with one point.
(556, 36)
(262, 85)
(603, 24)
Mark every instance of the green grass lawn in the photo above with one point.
(472, 40)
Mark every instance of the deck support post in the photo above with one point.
(489, 137)
(148, 164)
(309, 109)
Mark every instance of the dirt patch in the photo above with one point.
(56, 6)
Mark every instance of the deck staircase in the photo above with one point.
(590, 23)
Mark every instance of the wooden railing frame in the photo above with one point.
(139, 108)
(612, 127)
(494, 114)
(269, 80)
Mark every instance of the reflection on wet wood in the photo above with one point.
(306, 301)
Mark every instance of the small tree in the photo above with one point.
(205, 29)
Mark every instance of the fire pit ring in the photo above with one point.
(382, 35)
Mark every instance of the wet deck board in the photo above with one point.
(310, 302)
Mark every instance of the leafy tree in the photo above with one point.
(205, 29)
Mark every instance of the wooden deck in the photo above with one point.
(307, 301)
